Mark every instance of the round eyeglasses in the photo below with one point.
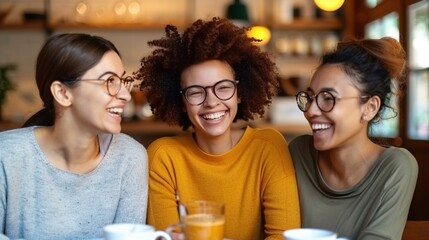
(223, 90)
(114, 83)
(325, 100)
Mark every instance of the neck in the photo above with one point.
(219, 144)
(73, 151)
(344, 168)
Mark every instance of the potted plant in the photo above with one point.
(5, 85)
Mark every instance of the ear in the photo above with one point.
(371, 108)
(61, 93)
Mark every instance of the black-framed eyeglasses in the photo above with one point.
(325, 100)
(114, 83)
(223, 90)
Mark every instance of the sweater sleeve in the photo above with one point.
(132, 206)
(280, 195)
(2, 202)
(162, 206)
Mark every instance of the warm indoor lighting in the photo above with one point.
(81, 8)
(134, 8)
(120, 8)
(237, 13)
(261, 33)
(329, 5)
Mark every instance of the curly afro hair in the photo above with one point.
(217, 39)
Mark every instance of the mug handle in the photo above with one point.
(162, 234)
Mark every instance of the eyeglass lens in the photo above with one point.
(114, 84)
(324, 100)
(223, 90)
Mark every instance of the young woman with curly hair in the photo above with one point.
(205, 79)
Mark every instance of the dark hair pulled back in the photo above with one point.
(64, 57)
(378, 67)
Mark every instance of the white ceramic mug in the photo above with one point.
(125, 231)
(309, 233)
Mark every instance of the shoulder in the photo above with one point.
(168, 151)
(165, 143)
(127, 150)
(399, 158)
(127, 142)
(15, 137)
(267, 135)
(300, 141)
(301, 145)
(266, 132)
(14, 133)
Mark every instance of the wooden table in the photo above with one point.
(416, 230)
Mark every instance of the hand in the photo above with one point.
(176, 236)
(181, 236)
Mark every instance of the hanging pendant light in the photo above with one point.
(329, 5)
(261, 33)
(237, 13)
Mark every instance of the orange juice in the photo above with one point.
(204, 227)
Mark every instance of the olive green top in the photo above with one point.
(375, 208)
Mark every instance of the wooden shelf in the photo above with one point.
(116, 26)
(22, 26)
(301, 24)
(310, 24)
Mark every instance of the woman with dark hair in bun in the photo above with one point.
(348, 183)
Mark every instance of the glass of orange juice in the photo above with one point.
(201, 220)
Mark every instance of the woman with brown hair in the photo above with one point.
(70, 171)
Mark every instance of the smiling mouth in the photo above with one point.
(320, 126)
(116, 111)
(213, 116)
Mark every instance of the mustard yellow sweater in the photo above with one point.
(255, 179)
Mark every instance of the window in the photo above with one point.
(418, 95)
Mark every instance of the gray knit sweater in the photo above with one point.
(40, 201)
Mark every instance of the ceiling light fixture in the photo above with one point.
(261, 33)
(237, 13)
(329, 5)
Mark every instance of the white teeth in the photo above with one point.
(213, 116)
(115, 110)
(320, 126)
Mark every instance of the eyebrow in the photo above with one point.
(112, 73)
(325, 89)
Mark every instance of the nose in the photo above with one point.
(123, 93)
(313, 110)
(211, 99)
